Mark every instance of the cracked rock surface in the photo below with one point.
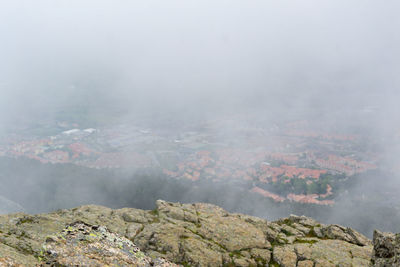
(386, 249)
(186, 234)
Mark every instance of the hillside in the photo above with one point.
(186, 234)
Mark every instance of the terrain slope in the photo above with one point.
(185, 234)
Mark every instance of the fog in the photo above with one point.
(175, 54)
(334, 63)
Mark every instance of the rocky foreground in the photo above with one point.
(185, 234)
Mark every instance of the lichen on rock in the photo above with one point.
(386, 249)
(196, 234)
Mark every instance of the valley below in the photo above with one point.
(243, 163)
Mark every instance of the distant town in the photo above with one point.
(287, 162)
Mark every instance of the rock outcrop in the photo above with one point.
(386, 249)
(187, 234)
(80, 244)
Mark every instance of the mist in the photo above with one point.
(189, 55)
(170, 66)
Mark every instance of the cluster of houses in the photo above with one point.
(62, 148)
(236, 164)
(344, 165)
(317, 199)
(267, 194)
(284, 161)
(73, 146)
(272, 174)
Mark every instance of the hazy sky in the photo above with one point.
(198, 54)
